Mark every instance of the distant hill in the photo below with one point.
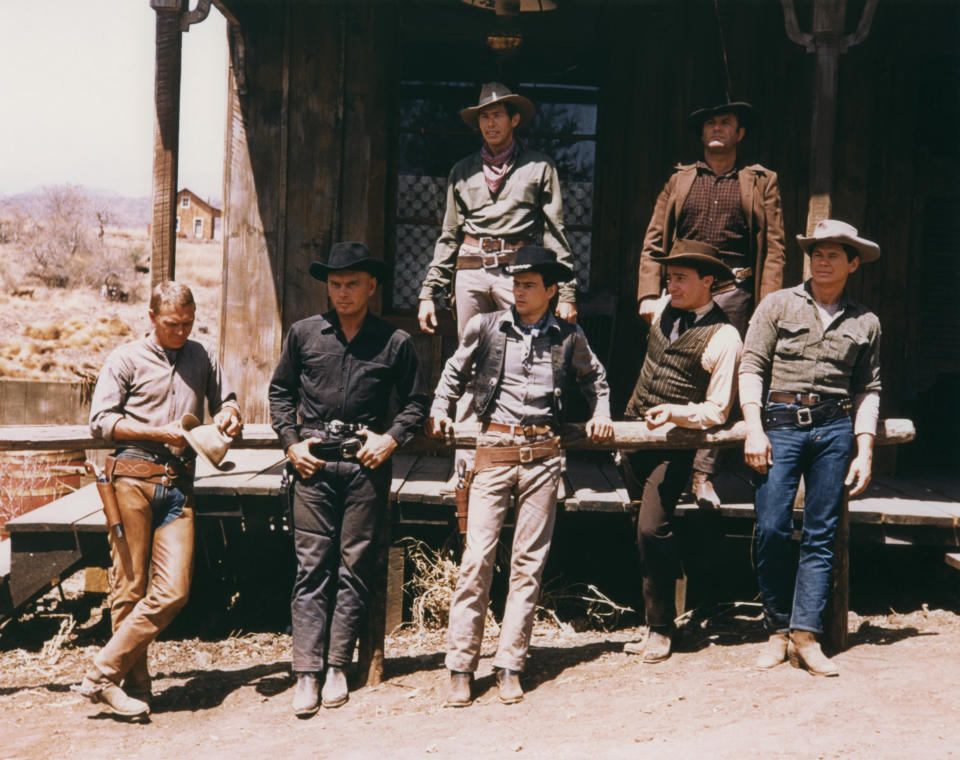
(124, 211)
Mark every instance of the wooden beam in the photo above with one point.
(166, 141)
(628, 436)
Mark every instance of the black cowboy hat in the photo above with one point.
(694, 253)
(745, 113)
(347, 257)
(494, 92)
(535, 258)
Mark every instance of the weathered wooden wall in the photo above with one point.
(311, 150)
(36, 402)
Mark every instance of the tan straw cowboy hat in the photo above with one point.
(207, 441)
(835, 231)
(494, 92)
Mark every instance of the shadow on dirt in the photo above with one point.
(206, 689)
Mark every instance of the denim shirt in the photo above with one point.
(788, 345)
(529, 205)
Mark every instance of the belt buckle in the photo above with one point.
(526, 455)
(335, 427)
(804, 417)
(490, 260)
(497, 242)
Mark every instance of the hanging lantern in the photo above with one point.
(513, 7)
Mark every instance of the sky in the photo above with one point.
(76, 97)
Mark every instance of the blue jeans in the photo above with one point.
(794, 594)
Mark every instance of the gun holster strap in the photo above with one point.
(164, 474)
(498, 456)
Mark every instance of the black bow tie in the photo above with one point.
(682, 318)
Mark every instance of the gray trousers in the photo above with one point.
(338, 516)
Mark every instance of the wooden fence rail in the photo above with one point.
(627, 436)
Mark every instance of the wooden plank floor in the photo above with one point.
(591, 484)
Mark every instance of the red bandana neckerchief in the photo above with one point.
(496, 167)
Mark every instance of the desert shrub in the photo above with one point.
(57, 233)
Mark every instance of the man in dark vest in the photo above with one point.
(519, 360)
(688, 380)
(732, 207)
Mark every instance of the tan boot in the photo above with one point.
(774, 651)
(804, 652)
(703, 491)
(99, 689)
(458, 691)
(335, 692)
(508, 686)
(305, 695)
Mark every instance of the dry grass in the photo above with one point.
(66, 334)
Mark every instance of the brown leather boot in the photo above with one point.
(306, 700)
(774, 651)
(656, 648)
(703, 491)
(458, 691)
(99, 689)
(335, 691)
(508, 685)
(804, 652)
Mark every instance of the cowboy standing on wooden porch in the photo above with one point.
(811, 360)
(333, 383)
(519, 359)
(688, 379)
(734, 208)
(145, 393)
(498, 200)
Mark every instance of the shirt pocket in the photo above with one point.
(845, 347)
(792, 338)
(320, 372)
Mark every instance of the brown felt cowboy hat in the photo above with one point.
(694, 253)
(348, 257)
(835, 231)
(494, 92)
(745, 113)
(535, 258)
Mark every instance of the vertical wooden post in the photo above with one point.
(827, 42)
(166, 140)
(838, 608)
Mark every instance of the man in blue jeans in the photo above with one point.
(815, 353)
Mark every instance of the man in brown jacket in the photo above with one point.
(734, 208)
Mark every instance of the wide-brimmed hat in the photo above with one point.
(536, 258)
(745, 113)
(695, 253)
(207, 441)
(835, 231)
(494, 92)
(347, 257)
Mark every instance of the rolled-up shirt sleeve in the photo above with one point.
(220, 391)
(760, 342)
(109, 396)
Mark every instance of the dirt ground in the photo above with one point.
(898, 696)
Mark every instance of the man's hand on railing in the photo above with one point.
(599, 429)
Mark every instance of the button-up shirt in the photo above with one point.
(790, 348)
(324, 377)
(140, 381)
(713, 213)
(528, 205)
(526, 385)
